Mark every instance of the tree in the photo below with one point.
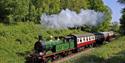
(105, 26)
(115, 26)
(13, 11)
(121, 1)
(122, 22)
(98, 5)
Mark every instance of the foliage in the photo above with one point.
(14, 10)
(26, 9)
(122, 22)
(115, 26)
(121, 1)
(105, 25)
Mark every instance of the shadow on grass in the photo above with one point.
(22, 53)
(116, 58)
(88, 59)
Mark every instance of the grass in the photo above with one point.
(17, 40)
(113, 52)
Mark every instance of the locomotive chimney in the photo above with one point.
(40, 37)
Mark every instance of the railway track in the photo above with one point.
(85, 51)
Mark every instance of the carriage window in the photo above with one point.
(95, 37)
(78, 39)
(83, 39)
(102, 36)
(91, 37)
(99, 36)
(88, 38)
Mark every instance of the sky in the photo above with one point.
(116, 9)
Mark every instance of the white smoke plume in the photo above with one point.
(67, 18)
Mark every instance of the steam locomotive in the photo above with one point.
(45, 51)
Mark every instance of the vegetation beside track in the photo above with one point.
(113, 52)
(17, 40)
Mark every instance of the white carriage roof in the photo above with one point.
(83, 35)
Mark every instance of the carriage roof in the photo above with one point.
(83, 35)
(97, 33)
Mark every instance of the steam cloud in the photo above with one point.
(67, 18)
